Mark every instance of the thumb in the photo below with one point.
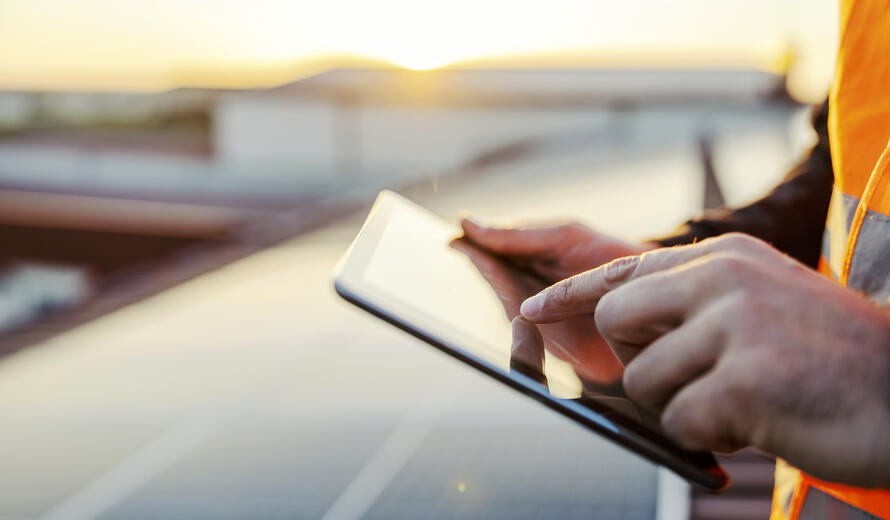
(527, 351)
(517, 241)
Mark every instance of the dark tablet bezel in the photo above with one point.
(349, 284)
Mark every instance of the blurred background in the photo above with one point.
(177, 179)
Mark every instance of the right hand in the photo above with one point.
(575, 341)
(552, 253)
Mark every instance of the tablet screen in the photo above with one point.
(473, 295)
(411, 268)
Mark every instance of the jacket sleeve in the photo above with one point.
(791, 217)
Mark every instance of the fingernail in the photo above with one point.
(531, 308)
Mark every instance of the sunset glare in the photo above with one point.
(135, 44)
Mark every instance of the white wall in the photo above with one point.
(374, 140)
(274, 132)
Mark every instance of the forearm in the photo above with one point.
(791, 217)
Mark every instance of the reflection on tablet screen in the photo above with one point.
(475, 295)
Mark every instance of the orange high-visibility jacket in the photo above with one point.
(856, 244)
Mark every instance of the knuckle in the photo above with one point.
(561, 293)
(737, 388)
(741, 241)
(571, 231)
(647, 260)
(714, 316)
(719, 317)
(564, 232)
(743, 309)
(688, 426)
(728, 264)
(617, 271)
(718, 419)
(730, 268)
(655, 261)
(574, 228)
(634, 385)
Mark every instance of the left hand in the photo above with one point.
(738, 344)
(551, 252)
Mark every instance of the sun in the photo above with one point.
(420, 63)
(425, 55)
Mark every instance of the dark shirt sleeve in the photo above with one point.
(791, 217)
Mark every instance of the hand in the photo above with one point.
(552, 253)
(738, 344)
(527, 350)
(574, 341)
(527, 358)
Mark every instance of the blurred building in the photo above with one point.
(391, 123)
(93, 185)
(360, 122)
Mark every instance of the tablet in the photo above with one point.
(410, 268)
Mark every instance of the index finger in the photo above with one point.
(581, 293)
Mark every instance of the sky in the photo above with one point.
(159, 44)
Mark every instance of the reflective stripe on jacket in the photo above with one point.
(856, 243)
